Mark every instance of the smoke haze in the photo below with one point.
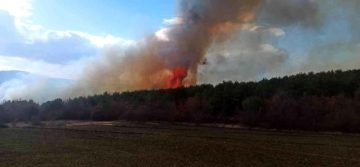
(212, 41)
(209, 41)
(173, 60)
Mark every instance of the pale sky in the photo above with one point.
(56, 38)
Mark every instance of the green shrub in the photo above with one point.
(253, 104)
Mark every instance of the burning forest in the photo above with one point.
(172, 61)
(205, 42)
(179, 82)
(201, 45)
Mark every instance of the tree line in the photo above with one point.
(307, 101)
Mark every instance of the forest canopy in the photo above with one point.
(311, 101)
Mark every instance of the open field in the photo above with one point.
(139, 144)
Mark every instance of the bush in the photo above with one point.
(36, 121)
(3, 125)
(253, 104)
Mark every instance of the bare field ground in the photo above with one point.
(161, 144)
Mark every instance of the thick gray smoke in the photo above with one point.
(247, 55)
(290, 12)
(250, 54)
(255, 52)
(214, 40)
(342, 52)
(172, 61)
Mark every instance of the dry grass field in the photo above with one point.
(162, 144)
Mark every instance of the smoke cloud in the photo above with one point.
(247, 55)
(172, 60)
(290, 12)
(210, 41)
(342, 52)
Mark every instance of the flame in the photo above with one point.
(177, 77)
(157, 63)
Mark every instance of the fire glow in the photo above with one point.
(171, 60)
(178, 75)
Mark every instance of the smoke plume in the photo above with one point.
(173, 60)
(214, 40)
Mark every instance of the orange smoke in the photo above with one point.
(178, 75)
(227, 27)
(155, 63)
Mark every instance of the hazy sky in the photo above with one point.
(53, 34)
(125, 18)
(56, 38)
(60, 34)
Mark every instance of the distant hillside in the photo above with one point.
(27, 85)
(312, 101)
(8, 75)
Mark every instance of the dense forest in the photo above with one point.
(312, 101)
